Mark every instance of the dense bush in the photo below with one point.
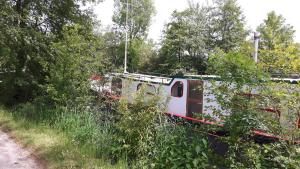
(80, 125)
(147, 139)
(241, 76)
(141, 134)
(136, 126)
(179, 147)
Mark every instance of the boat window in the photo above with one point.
(149, 89)
(116, 86)
(195, 97)
(177, 89)
(138, 87)
(195, 90)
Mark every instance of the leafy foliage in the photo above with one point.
(138, 22)
(240, 78)
(184, 44)
(180, 147)
(281, 61)
(48, 51)
(278, 52)
(68, 80)
(136, 125)
(139, 14)
(275, 32)
(195, 33)
(27, 30)
(227, 26)
(236, 67)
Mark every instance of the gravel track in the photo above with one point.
(13, 156)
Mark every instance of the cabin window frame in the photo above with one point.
(116, 86)
(182, 93)
(194, 100)
(138, 87)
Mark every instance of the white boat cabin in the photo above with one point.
(188, 96)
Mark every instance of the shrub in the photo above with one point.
(241, 75)
(136, 125)
(179, 147)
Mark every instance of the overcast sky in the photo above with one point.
(254, 10)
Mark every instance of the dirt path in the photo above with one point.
(13, 156)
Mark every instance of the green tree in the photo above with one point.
(278, 52)
(139, 17)
(68, 80)
(281, 61)
(195, 33)
(135, 128)
(184, 44)
(27, 30)
(138, 22)
(241, 76)
(227, 26)
(112, 49)
(274, 31)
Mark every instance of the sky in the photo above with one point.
(255, 12)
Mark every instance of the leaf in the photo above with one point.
(198, 149)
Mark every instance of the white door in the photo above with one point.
(178, 96)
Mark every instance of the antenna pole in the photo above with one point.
(256, 40)
(126, 37)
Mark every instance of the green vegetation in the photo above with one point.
(195, 33)
(49, 50)
(278, 52)
(138, 22)
(67, 142)
(236, 68)
(29, 32)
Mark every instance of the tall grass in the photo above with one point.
(83, 129)
(139, 134)
(58, 147)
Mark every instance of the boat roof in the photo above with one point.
(276, 79)
(146, 78)
(168, 80)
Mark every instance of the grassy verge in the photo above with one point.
(53, 146)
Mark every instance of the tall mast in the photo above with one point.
(256, 40)
(126, 38)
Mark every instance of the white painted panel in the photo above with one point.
(210, 103)
(177, 105)
(129, 90)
